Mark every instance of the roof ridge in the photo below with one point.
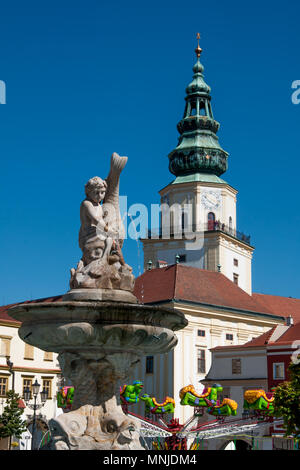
(276, 295)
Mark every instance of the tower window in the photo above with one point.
(181, 259)
(236, 278)
(149, 364)
(211, 221)
(229, 337)
(202, 110)
(235, 262)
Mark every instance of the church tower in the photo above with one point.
(198, 225)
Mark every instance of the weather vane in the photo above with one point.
(198, 49)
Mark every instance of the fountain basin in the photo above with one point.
(98, 343)
(108, 326)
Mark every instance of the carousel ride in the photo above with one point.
(162, 432)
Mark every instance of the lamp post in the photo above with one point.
(34, 406)
(11, 371)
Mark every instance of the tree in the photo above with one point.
(287, 402)
(11, 423)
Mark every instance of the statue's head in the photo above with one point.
(95, 189)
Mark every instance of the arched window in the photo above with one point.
(202, 109)
(230, 224)
(211, 221)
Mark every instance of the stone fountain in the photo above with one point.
(99, 329)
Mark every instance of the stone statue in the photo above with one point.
(98, 329)
(90, 428)
(101, 235)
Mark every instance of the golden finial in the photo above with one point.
(198, 49)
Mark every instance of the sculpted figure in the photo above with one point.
(93, 226)
(102, 234)
(93, 428)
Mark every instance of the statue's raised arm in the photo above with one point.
(111, 204)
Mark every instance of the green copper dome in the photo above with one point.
(198, 149)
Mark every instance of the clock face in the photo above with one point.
(211, 199)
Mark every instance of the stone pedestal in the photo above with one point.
(97, 344)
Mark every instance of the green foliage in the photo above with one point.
(287, 402)
(11, 423)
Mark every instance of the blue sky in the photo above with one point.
(86, 78)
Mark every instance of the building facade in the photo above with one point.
(259, 364)
(219, 314)
(22, 364)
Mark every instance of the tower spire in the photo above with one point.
(198, 49)
(198, 149)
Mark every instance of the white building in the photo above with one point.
(219, 314)
(22, 364)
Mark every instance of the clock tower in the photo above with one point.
(198, 208)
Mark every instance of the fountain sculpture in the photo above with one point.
(99, 329)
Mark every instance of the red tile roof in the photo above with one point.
(257, 342)
(287, 338)
(286, 306)
(291, 335)
(194, 285)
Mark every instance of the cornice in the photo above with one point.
(197, 184)
(37, 370)
(10, 323)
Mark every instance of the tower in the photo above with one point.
(198, 224)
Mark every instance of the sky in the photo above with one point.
(88, 78)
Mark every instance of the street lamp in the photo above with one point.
(27, 397)
(11, 371)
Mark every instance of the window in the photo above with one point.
(235, 262)
(29, 352)
(5, 345)
(278, 370)
(211, 221)
(200, 361)
(193, 110)
(181, 259)
(229, 337)
(47, 385)
(3, 386)
(149, 364)
(48, 356)
(236, 278)
(27, 383)
(201, 333)
(236, 366)
(202, 110)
